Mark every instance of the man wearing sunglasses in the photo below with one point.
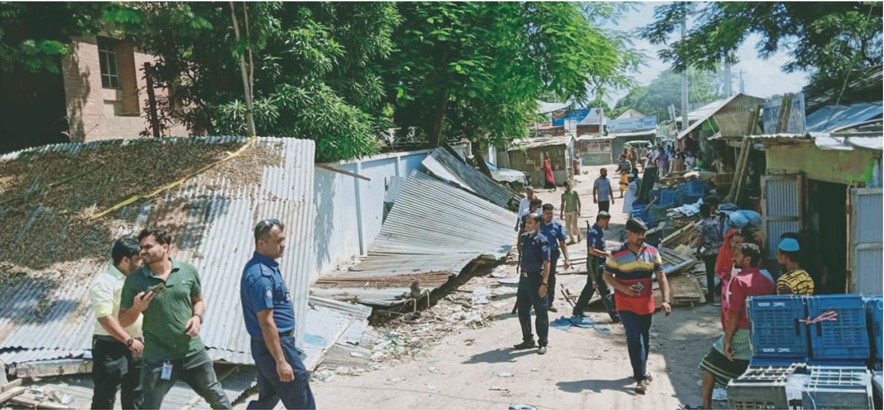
(270, 320)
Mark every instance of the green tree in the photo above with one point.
(316, 67)
(34, 35)
(475, 70)
(653, 99)
(826, 39)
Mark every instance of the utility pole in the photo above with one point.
(728, 82)
(684, 74)
(742, 84)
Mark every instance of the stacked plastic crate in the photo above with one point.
(778, 333)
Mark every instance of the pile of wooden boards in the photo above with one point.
(686, 235)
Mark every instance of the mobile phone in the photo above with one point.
(157, 289)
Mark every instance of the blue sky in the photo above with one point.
(763, 78)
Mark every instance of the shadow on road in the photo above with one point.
(500, 355)
(578, 386)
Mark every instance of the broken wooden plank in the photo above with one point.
(10, 393)
(34, 403)
(53, 368)
(13, 384)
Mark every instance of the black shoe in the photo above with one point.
(615, 319)
(527, 344)
(552, 309)
(578, 313)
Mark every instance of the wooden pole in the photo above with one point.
(151, 102)
(247, 86)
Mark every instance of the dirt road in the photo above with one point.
(584, 368)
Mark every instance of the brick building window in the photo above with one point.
(107, 58)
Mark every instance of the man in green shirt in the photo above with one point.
(571, 210)
(169, 295)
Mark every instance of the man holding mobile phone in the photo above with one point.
(173, 315)
(630, 271)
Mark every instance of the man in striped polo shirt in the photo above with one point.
(630, 271)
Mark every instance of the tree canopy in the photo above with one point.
(342, 73)
(654, 98)
(475, 70)
(826, 39)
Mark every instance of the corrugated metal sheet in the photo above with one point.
(217, 240)
(782, 211)
(433, 228)
(832, 117)
(867, 237)
(700, 115)
(450, 168)
(539, 142)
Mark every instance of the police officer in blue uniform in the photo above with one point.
(595, 266)
(270, 320)
(555, 234)
(534, 257)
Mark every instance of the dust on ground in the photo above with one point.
(458, 353)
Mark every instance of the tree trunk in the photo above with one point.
(480, 159)
(438, 120)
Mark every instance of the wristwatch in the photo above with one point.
(199, 316)
(129, 342)
(545, 284)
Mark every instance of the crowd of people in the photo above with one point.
(149, 311)
(731, 250)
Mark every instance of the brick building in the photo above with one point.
(100, 93)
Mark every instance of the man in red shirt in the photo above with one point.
(730, 354)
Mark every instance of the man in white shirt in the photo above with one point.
(524, 205)
(116, 351)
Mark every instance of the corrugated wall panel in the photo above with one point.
(867, 241)
(782, 197)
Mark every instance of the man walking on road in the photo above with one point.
(534, 256)
(602, 193)
(570, 209)
(270, 320)
(116, 351)
(730, 354)
(555, 235)
(595, 265)
(630, 271)
(169, 294)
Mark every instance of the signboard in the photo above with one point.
(633, 124)
(771, 115)
(581, 116)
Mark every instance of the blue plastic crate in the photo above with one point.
(693, 186)
(874, 315)
(846, 337)
(667, 197)
(638, 211)
(776, 328)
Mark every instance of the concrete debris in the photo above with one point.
(481, 296)
(503, 374)
(395, 380)
(323, 376)
(499, 272)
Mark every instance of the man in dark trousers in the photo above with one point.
(555, 235)
(116, 351)
(595, 265)
(270, 320)
(602, 194)
(169, 294)
(630, 270)
(534, 258)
